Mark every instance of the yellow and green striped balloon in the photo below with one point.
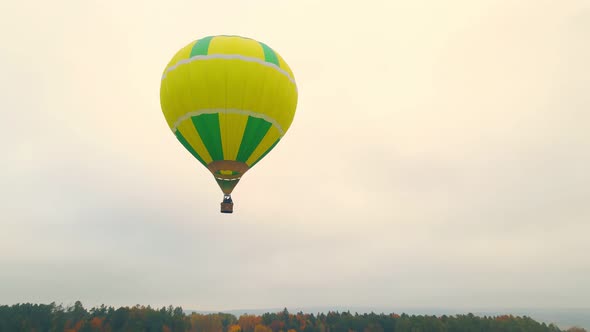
(229, 100)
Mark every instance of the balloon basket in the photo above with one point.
(227, 206)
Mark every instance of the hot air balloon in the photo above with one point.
(228, 100)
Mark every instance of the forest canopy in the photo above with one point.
(76, 318)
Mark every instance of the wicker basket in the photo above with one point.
(227, 207)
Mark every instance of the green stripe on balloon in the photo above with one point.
(187, 146)
(265, 153)
(269, 54)
(201, 47)
(255, 131)
(207, 126)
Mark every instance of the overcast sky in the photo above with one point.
(439, 157)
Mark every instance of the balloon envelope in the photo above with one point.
(229, 100)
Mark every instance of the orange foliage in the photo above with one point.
(248, 322)
(76, 327)
(96, 322)
(206, 323)
(303, 320)
(262, 328)
(234, 328)
(277, 325)
(504, 317)
(576, 329)
(291, 330)
(166, 329)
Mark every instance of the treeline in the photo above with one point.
(54, 318)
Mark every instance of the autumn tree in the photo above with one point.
(262, 328)
(205, 323)
(234, 328)
(576, 329)
(96, 323)
(248, 322)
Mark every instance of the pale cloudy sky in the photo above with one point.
(439, 157)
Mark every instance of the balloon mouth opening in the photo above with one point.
(228, 169)
(227, 172)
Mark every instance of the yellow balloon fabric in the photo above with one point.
(229, 100)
